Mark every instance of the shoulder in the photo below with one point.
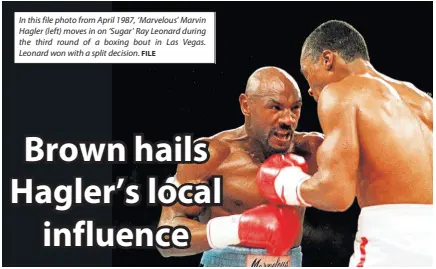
(315, 139)
(421, 102)
(218, 151)
(345, 90)
(308, 141)
(217, 147)
(338, 105)
(408, 88)
(424, 99)
(337, 98)
(309, 136)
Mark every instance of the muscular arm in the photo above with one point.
(179, 215)
(333, 186)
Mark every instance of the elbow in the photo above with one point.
(336, 203)
(344, 198)
(340, 195)
(343, 204)
(166, 253)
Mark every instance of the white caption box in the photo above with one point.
(114, 37)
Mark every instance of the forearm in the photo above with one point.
(325, 191)
(328, 194)
(198, 242)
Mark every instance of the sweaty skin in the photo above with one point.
(381, 133)
(237, 154)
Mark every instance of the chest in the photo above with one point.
(240, 191)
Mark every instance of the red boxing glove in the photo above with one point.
(270, 227)
(279, 179)
(266, 226)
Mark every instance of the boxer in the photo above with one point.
(381, 132)
(247, 230)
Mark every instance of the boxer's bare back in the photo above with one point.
(230, 157)
(393, 125)
(395, 129)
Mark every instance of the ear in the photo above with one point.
(243, 102)
(327, 58)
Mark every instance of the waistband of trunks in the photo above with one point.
(232, 256)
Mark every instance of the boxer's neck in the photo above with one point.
(359, 67)
(251, 146)
(256, 151)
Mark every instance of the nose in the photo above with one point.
(310, 92)
(288, 118)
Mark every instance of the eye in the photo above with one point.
(276, 108)
(297, 107)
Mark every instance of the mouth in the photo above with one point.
(282, 135)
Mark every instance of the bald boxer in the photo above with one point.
(247, 230)
(378, 147)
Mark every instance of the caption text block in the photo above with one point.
(114, 37)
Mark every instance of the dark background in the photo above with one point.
(101, 102)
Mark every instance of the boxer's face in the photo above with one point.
(315, 76)
(274, 117)
(318, 72)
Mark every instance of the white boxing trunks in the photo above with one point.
(394, 235)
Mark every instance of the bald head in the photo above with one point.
(269, 79)
(271, 105)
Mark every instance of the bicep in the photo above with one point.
(185, 174)
(338, 155)
(193, 174)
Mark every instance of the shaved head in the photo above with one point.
(271, 105)
(267, 79)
